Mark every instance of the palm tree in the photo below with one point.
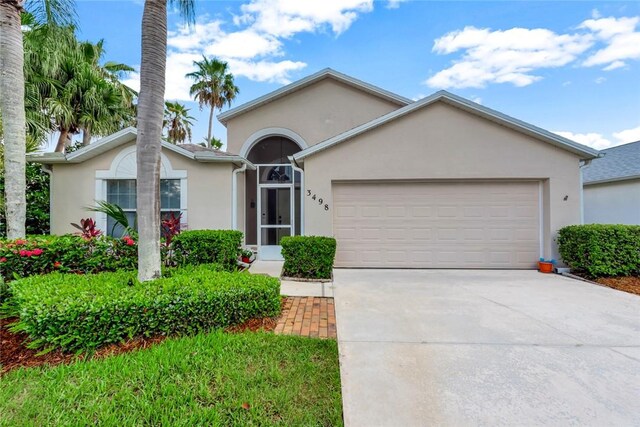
(148, 143)
(82, 95)
(12, 99)
(178, 122)
(214, 87)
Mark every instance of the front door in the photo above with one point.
(275, 209)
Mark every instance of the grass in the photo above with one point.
(248, 379)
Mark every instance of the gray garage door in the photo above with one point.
(466, 224)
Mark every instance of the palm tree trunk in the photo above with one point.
(210, 133)
(63, 141)
(13, 117)
(148, 144)
(86, 136)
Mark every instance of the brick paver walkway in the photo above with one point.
(308, 317)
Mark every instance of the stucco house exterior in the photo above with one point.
(612, 186)
(437, 183)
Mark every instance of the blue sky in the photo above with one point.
(570, 67)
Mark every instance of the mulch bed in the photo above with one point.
(14, 353)
(627, 284)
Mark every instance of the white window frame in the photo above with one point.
(124, 166)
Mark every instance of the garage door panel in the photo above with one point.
(437, 224)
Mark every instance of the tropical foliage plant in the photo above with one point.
(37, 197)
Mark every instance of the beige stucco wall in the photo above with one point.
(442, 142)
(316, 112)
(612, 203)
(73, 188)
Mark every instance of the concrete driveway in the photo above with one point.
(454, 347)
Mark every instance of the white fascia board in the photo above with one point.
(464, 104)
(306, 81)
(46, 158)
(178, 150)
(213, 158)
(102, 145)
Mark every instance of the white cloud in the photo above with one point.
(599, 141)
(620, 37)
(508, 56)
(600, 80)
(594, 140)
(513, 55)
(394, 4)
(629, 135)
(477, 100)
(254, 45)
(614, 65)
(245, 44)
(284, 18)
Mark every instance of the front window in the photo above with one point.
(122, 192)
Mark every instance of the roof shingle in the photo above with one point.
(621, 162)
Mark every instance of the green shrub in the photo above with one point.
(68, 254)
(83, 312)
(309, 257)
(37, 193)
(599, 250)
(207, 246)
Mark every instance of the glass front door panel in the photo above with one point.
(275, 206)
(276, 174)
(271, 236)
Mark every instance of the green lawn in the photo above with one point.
(204, 380)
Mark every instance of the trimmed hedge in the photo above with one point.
(308, 257)
(83, 312)
(207, 246)
(600, 250)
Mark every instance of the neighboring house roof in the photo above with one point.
(191, 151)
(616, 164)
(307, 81)
(463, 104)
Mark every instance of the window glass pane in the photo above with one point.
(170, 194)
(118, 231)
(275, 206)
(272, 236)
(274, 149)
(275, 174)
(122, 192)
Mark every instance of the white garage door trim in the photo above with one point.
(481, 244)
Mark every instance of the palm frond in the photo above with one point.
(114, 212)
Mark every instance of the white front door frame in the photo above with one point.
(274, 252)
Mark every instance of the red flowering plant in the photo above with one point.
(88, 228)
(66, 254)
(21, 255)
(171, 226)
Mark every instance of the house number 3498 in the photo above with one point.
(317, 199)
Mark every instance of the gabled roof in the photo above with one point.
(616, 164)
(190, 151)
(308, 81)
(463, 104)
